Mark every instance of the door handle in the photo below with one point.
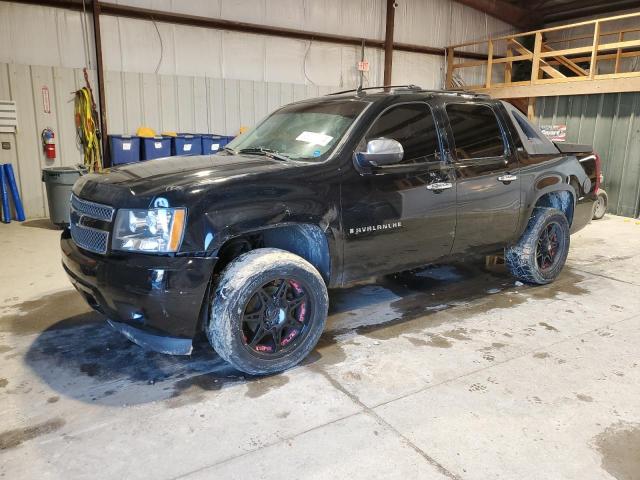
(508, 178)
(439, 186)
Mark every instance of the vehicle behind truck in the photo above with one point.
(243, 246)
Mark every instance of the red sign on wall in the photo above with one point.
(46, 102)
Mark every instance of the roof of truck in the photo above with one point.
(388, 90)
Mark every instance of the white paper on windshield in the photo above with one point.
(187, 147)
(314, 138)
(215, 146)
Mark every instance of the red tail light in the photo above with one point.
(598, 173)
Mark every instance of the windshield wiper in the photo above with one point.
(264, 151)
(230, 150)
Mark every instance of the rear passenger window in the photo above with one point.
(476, 132)
(412, 125)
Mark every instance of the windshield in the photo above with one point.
(304, 131)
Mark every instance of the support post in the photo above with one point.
(388, 41)
(531, 108)
(100, 74)
(535, 69)
(489, 63)
(508, 68)
(450, 58)
(594, 54)
(618, 53)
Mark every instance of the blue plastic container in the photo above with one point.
(186, 144)
(212, 144)
(124, 149)
(156, 147)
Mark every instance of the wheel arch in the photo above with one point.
(306, 240)
(561, 197)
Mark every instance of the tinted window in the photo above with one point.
(413, 126)
(476, 132)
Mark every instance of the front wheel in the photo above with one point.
(541, 252)
(268, 312)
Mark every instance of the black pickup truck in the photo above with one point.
(243, 245)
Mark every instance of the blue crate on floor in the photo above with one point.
(124, 149)
(156, 147)
(186, 144)
(212, 143)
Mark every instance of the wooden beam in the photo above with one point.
(450, 59)
(505, 11)
(594, 55)
(489, 65)
(566, 62)
(535, 69)
(608, 84)
(531, 108)
(552, 72)
(388, 41)
(619, 53)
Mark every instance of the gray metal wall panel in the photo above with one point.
(611, 123)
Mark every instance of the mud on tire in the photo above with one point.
(541, 252)
(268, 311)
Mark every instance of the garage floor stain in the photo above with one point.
(619, 447)
(14, 438)
(59, 310)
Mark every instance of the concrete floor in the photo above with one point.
(453, 372)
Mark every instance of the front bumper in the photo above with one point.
(153, 300)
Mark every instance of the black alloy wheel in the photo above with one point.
(274, 319)
(548, 246)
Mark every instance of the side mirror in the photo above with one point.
(380, 152)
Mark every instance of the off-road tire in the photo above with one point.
(600, 206)
(521, 258)
(238, 283)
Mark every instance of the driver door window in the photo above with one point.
(411, 124)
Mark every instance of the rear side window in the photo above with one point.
(412, 125)
(476, 132)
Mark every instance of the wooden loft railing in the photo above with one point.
(543, 63)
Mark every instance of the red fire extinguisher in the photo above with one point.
(48, 143)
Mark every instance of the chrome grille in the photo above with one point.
(91, 209)
(90, 238)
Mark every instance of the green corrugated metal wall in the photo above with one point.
(611, 123)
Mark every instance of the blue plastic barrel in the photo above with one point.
(124, 149)
(186, 144)
(156, 147)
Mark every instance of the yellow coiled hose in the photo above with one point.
(86, 129)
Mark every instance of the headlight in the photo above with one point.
(158, 230)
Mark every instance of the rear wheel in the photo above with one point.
(268, 311)
(541, 252)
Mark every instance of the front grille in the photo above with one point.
(92, 209)
(90, 238)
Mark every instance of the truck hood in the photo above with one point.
(175, 174)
